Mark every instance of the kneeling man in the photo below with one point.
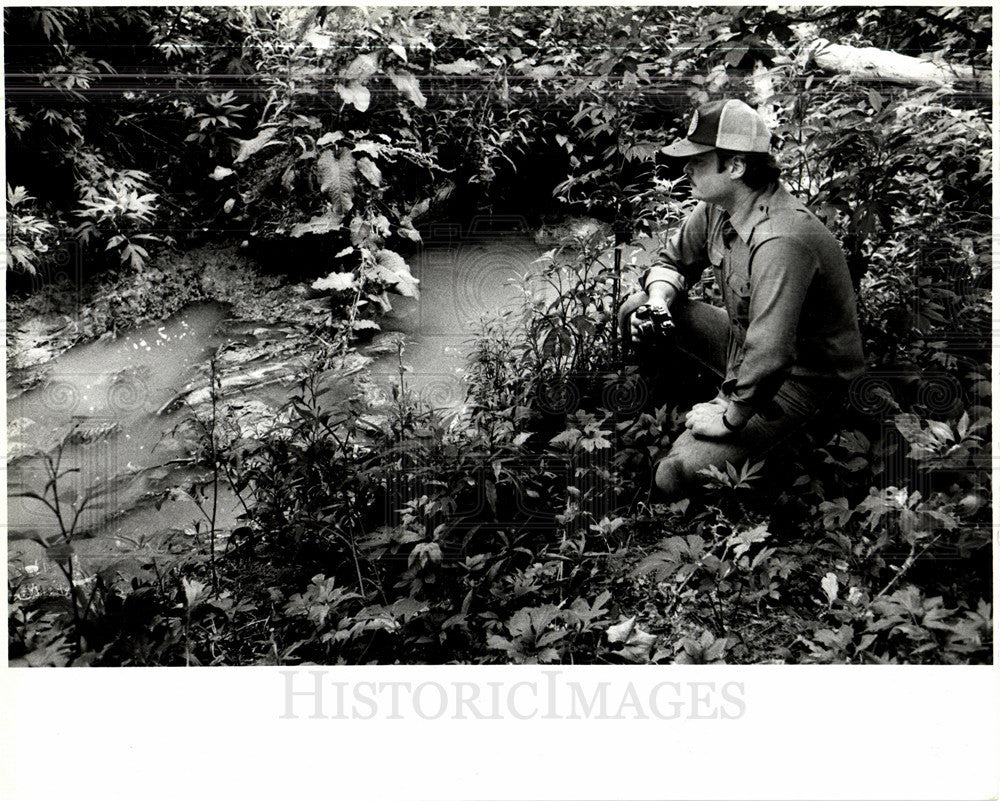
(786, 342)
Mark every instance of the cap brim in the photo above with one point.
(685, 147)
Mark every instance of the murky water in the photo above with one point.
(112, 404)
(460, 282)
(100, 400)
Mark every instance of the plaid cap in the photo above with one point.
(725, 125)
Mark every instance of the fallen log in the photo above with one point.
(873, 64)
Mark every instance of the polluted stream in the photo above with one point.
(118, 413)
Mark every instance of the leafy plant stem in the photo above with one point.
(908, 563)
(215, 474)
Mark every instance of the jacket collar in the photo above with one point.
(758, 209)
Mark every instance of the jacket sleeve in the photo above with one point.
(686, 252)
(781, 271)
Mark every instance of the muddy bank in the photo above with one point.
(126, 413)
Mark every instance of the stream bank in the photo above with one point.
(125, 412)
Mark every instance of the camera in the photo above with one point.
(654, 321)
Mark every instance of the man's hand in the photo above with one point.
(656, 299)
(705, 420)
(649, 321)
(718, 400)
(626, 316)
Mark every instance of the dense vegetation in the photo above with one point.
(522, 532)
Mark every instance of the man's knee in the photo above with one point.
(671, 479)
(678, 472)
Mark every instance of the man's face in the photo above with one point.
(707, 182)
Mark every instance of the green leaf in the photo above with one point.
(608, 525)
(393, 269)
(636, 643)
(250, 146)
(909, 426)
(567, 438)
(335, 282)
(543, 71)
(830, 586)
(362, 68)
(370, 171)
(963, 425)
(409, 87)
(373, 149)
(498, 643)
(941, 431)
(742, 541)
(355, 94)
(54, 654)
(491, 495)
(336, 179)
(735, 55)
(716, 650)
(193, 590)
(60, 552)
(642, 151)
(594, 442)
(330, 138)
(17, 195)
(460, 67)
(321, 224)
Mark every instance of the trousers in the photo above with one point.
(702, 333)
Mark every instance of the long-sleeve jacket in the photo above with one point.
(786, 289)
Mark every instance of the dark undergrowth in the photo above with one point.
(521, 531)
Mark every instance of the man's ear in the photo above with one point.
(737, 166)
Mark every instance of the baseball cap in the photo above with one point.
(726, 125)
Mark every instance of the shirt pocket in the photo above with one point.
(717, 291)
(738, 298)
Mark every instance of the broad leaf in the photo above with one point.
(53, 654)
(409, 87)
(17, 195)
(321, 224)
(636, 643)
(362, 68)
(942, 431)
(337, 180)
(461, 67)
(567, 438)
(330, 138)
(250, 146)
(355, 94)
(393, 269)
(543, 71)
(741, 541)
(909, 426)
(830, 586)
(335, 282)
(371, 172)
